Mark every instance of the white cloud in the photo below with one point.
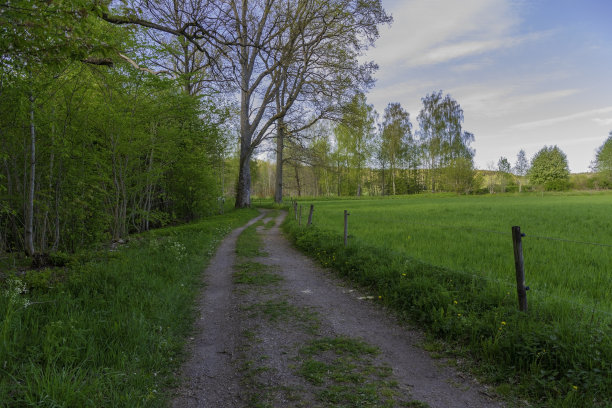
(565, 118)
(490, 101)
(428, 32)
(605, 122)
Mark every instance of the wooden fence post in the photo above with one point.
(300, 216)
(520, 268)
(346, 214)
(310, 214)
(295, 210)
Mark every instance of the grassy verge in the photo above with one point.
(542, 355)
(107, 331)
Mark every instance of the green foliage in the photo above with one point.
(444, 142)
(354, 135)
(549, 169)
(555, 353)
(110, 332)
(603, 161)
(117, 152)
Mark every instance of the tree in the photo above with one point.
(521, 168)
(258, 39)
(396, 139)
(549, 169)
(38, 40)
(444, 142)
(603, 160)
(491, 176)
(354, 135)
(503, 166)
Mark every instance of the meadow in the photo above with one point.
(567, 247)
(446, 263)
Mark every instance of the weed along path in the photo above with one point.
(276, 330)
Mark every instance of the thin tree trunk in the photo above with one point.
(29, 216)
(278, 192)
(297, 180)
(56, 235)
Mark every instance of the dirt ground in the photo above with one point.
(277, 330)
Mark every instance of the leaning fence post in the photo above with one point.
(310, 214)
(346, 214)
(520, 268)
(300, 216)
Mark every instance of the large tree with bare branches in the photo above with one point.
(267, 48)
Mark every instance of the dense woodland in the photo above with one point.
(115, 120)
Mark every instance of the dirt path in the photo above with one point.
(276, 330)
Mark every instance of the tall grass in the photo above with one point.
(108, 331)
(447, 263)
(473, 235)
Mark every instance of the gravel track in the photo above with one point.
(240, 358)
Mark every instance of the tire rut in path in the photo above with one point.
(213, 377)
(208, 376)
(345, 314)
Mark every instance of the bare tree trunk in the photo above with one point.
(297, 180)
(338, 174)
(278, 192)
(383, 180)
(56, 235)
(29, 215)
(243, 188)
(393, 178)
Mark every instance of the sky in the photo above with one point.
(527, 73)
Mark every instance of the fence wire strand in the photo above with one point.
(537, 292)
(509, 233)
(568, 240)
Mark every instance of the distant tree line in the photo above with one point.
(364, 154)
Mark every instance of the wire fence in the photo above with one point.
(589, 307)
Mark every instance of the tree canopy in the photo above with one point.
(603, 160)
(549, 169)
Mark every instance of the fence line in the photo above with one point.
(539, 293)
(527, 234)
(569, 240)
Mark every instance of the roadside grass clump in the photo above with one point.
(249, 243)
(254, 273)
(344, 370)
(558, 354)
(108, 331)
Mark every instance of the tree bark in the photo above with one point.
(280, 136)
(297, 180)
(29, 215)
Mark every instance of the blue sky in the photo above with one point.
(527, 73)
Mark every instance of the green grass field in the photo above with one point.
(472, 234)
(108, 329)
(446, 263)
